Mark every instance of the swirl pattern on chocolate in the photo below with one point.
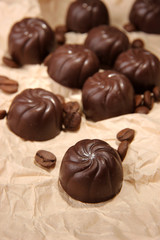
(107, 94)
(71, 64)
(145, 16)
(91, 171)
(35, 114)
(30, 41)
(107, 43)
(82, 15)
(141, 67)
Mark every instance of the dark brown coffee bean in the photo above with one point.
(137, 43)
(45, 159)
(156, 93)
(129, 27)
(152, 102)
(3, 113)
(138, 100)
(71, 107)
(10, 63)
(60, 38)
(142, 109)
(61, 29)
(61, 99)
(8, 85)
(126, 134)
(147, 99)
(72, 121)
(122, 149)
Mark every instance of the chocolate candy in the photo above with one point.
(145, 16)
(91, 171)
(141, 67)
(107, 94)
(107, 42)
(82, 15)
(35, 114)
(30, 41)
(71, 64)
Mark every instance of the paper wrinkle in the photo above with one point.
(33, 205)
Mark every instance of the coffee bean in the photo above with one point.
(122, 149)
(137, 43)
(142, 109)
(3, 113)
(60, 38)
(147, 99)
(127, 134)
(8, 85)
(72, 121)
(156, 93)
(10, 62)
(138, 100)
(45, 159)
(61, 29)
(129, 27)
(71, 107)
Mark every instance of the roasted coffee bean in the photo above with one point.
(147, 99)
(60, 38)
(156, 93)
(3, 113)
(8, 85)
(138, 100)
(61, 29)
(142, 109)
(126, 134)
(122, 149)
(129, 27)
(71, 107)
(45, 159)
(10, 63)
(61, 99)
(137, 43)
(72, 121)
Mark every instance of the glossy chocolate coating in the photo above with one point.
(30, 41)
(70, 65)
(107, 42)
(82, 15)
(107, 94)
(91, 171)
(145, 16)
(35, 114)
(141, 67)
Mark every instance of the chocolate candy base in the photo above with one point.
(35, 114)
(91, 171)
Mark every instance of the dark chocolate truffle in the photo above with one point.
(35, 114)
(107, 42)
(107, 94)
(82, 15)
(30, 41)
(145, 16)
(91, 171)
(71, 64)
(141, 67)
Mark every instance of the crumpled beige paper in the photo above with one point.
(32, 203)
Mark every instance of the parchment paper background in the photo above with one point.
(32, 204)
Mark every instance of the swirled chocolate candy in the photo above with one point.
(91, 171)
(82, 15)
(30, 41)
(71, 64)
(35, 114)
(141, 67)
(107, 42)
(107, 94)
(145, 16)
